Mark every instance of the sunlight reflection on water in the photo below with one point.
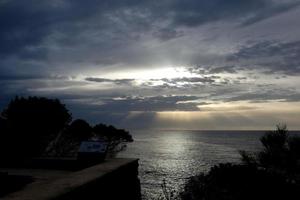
(177, 155)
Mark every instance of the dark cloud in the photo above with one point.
(165, 34)
(269, 11)
(185, 80)
(19, 77)
(184, 85)
(270, 55)
(103, 80)
(194, 13)
(156, 103)
(33, 77)
(40, 39)
(128, 111)
(224, 69)
(26, 25)
(267, 94)
(203, 80)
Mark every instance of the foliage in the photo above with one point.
(3, 125)
(69, 139)
(272, 173)
(50, 115)
(168, 193)
(116, 138)
(80, 130)
(67, 143)
(31, 123)
(249, 158)
(37, 126)
(234, 182)
(281, 152)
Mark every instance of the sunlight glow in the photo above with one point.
(154, 73)
(241, 115)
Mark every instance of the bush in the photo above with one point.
(281, 152)
(272, 173)
(235, 182)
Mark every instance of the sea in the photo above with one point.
(173, 156)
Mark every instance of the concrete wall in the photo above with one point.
(122, 183)
(112, 179)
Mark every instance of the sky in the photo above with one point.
(167, 64)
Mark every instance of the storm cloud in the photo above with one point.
(103, 80)
(109, 58)
(272, 56)
(107, 32)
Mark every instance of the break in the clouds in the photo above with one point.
(132, 61)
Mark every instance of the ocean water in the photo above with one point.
(174, 156)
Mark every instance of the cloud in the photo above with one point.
(272, 56)
(128, 111)
(270, 11)
(194, 13)
(266, 93)
(155, 103)
(46, 47)
(225, 69)
(116, 81)
(34, 29)
(202, 80)
(165, 34)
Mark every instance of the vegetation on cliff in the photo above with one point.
(272, 173)
(38, 126)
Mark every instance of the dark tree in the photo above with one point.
(3, 135)
(37, 126)
(68, 141)
(280, 152)
(80, 130)
(31, 124)
(275, 149)
(116, 138)
(3, 125)
(294, 149)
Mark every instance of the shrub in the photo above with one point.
(281, 152)
(272, 173)
(235, 182)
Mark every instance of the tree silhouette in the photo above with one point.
(275, 152)
(37, 126)
(31, 124)
(116, 138)
(280, 152)
(272, 173)
(80, 130)
(69, 139)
